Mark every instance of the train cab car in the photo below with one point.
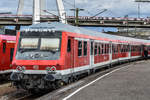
(7, 44)
(48, 55)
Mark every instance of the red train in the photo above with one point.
(48, 55)
(7, 44)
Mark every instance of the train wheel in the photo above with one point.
(59, 84)
(70, 80)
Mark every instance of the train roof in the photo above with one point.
(57, 26)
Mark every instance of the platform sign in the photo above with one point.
(142, 0)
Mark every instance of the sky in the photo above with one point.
(115, 8)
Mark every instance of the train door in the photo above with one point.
(129, 51)
(3, 56)
(91, 53)
(70, 54)
(110, 52)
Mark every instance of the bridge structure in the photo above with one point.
(24, 20)
(39, 15)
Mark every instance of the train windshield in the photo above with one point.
(39, 46)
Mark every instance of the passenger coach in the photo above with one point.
(48, 55)
(7, 44)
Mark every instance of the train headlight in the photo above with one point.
(48, 69)
(51, 69)
(21, 69)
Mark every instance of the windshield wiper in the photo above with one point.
(25, 50)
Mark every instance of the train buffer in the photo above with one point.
(131, 82)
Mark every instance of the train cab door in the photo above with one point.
(70, 54)
(3, 54)
(91, 53)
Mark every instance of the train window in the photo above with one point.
(4, 47)
(121, 48)
(105, 48)
(91, 48)
(50, 44)
(128, 48)
(117, 48)
(29, 43)
(69, 45)
(85, 48)
(148, 48)
(95, 49)
(124, 48)
(79, 48)
(113, 49)
(99, 48)
(108, 48)
(11, 53)
(102, 48)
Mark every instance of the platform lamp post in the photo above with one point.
(126, 16)
(142, 1)
(77, 15)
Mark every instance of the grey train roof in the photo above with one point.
(68, 28)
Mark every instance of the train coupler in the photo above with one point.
(15, 76)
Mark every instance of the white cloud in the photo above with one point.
(115, 8)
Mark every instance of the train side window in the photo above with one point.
(112, 48)
(69, 45)
(108, 48)
(117, 48)
(121, 48)
(102, 48)
(11, 53)
(79, 48)
(99, 48)
(4, 47)
(91, 48)
(95, 48)
(85, 48)
(105, 48)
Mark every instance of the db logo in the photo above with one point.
(36, 67)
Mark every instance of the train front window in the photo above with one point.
(50, 44)
(39, 46)
(29, 43)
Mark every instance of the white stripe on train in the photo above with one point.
(76, 69)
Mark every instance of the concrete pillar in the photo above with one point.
(42, 7)
(20, 7)
(61, 11)
(36, 12)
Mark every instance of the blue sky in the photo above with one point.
(115, 8)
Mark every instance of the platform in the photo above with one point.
(131, 82)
